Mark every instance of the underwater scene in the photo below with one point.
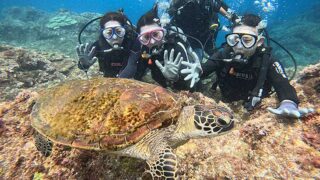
(159, 89)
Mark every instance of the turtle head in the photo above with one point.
(205, 121)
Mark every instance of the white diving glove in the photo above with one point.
(170, 69)
(86, 56)
(290, 109)
(193, 70)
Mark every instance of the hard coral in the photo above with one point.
(60, 21)
(9, 53)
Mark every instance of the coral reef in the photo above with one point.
(21, 69)
(50, 32)
(61, 20)
(263, 146)
(300, 36)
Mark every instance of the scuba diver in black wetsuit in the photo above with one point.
(162, 52)
(199, 19)
(246, 70)
(117, 49)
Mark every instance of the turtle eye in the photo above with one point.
(222, 122)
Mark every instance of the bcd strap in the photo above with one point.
(266, 59)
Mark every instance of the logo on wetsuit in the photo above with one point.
(240, 75)
(116, 64)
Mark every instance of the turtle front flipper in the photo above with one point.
(163, 164)
(43, 144)
(154, 148)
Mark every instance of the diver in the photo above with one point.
(162, 52)
(117, 48)
(199, 19)
(247, 71)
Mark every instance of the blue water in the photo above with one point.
(283, 11)
(133, 8)
(286, 9)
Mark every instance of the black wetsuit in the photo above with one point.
(117, 63)
(237, 81)
(173, 41)
(195, 19)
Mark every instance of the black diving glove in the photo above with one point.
(252, 102)
(233, 17)
(86, 56)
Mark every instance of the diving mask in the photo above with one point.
(156, 34)
(109, 32)
(247, 40)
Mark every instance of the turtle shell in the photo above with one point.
(103, 113)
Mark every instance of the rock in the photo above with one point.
(26, 62)
(3, 76)
(29, 69)
(309, 81)
(2, 126)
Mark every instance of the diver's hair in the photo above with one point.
(251, 20)
(113, 16)
(148, 18)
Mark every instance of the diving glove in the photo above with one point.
(170, 69)
(233, 17)
(290, 109)
(86, 56)
(193, 70)
(252, 102)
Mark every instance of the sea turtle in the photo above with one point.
(125, 117)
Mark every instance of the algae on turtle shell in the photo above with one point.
(125, 117)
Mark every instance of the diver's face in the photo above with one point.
(151, 35)
(113, 32)
(247, 40)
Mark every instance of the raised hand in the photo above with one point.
(170, 69)
(193, 70)
(86, 56)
